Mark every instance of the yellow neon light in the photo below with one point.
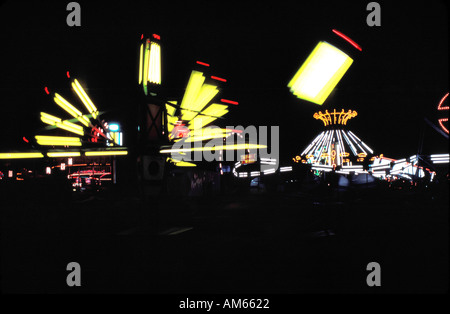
(200, 121)
(185, 164)
(171, 109)
(85, 98)
(192, 90)
(58, 140)
(215, 110)
(74, 128)
(171, 121)
(154, 70)
(49, 143)
(145, 73)
(74, 112)
(207, 92)
(188, 115)
(338, 117)
(219, 147)
(51, 122)
(203, 97)
(320, 73)
(72, 125)
(106, 153)
(141, 52)
(64, 154)
(66, 106)
(48, 117)
(20, 155)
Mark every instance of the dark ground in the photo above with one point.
(279, 242)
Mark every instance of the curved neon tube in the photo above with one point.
(348, 39)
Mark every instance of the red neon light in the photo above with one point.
(218, 78)
(25, 139)
(46, 90)
(156, 36)
(203, 63)
(68, 75)
(229, 101)
(347, 39)
(441, 102)
(441, 121)
(142, 36)
(99, 132)
(442, 125)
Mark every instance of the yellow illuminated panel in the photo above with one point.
(187, 115)
(216, 110)
(74, 112)
(85, 98)
(106, 153)
(320, 73)
(58, 140)
(64, 154)
(146, 61)
(205, 94)
(200, 121)
(171, 121)
(47, 118)
(52, 120)
(185, 164)
(141, 52)
(68, 126)
(171, 109)
(20, 155)
(66, 106)
(154, 67)
(192, 90)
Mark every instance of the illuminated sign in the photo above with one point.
(320, 73)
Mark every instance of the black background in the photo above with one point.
(396, 81)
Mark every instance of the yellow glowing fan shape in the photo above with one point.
(66, 124)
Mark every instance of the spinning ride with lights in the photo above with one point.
(335, 146)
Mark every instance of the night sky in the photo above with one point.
(396, 81)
